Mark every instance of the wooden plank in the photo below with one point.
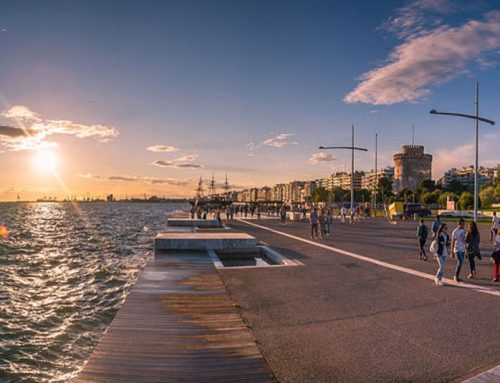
(178, 324)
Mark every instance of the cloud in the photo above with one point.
(181, 162)
(162, 148)
(428, 57)
(21, 112)
(11, 132)
(445, 159)
(418, 16)
(279, 141)
(189, 158)
(33, 130)
(322, 157)
(149, 180)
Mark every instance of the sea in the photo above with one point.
(65, 270)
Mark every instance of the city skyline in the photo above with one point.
(144, 98)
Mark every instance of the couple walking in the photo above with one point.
(322, 220)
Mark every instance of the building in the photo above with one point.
(264, 194)
(411, 167)
(342, 180)
(465, 175)
(370, 179)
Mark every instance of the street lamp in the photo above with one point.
(476, 119)
(352, 148)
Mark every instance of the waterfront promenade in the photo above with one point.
(342, 319)
(362, 308)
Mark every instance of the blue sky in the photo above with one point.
(250, 88)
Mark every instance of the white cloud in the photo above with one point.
(172, 164)
(428, 57)
(184, 162)
(419, 15)
(279, 141)
(162, 148)
(189, 157)
(33, 130)
(322, 157)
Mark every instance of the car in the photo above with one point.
(416, 210)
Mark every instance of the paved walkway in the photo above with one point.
(178, 324)
(346, 316)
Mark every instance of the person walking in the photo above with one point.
(495, 258)
(458, 247)
(322, 223)
(342, 213)
(472, 240)
(494, 227)
(435, 226)
(329, 220)
(442, 252)
(314, 219)
(283, 214)
(422, 233)
(353, 213)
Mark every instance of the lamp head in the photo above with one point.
(321, 147)
(433, 111)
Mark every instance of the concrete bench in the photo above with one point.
(204, 223)
(204, 241)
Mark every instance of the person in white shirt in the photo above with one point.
(342, 213)
(458, 248)
(494, 227)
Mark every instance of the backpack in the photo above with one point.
(434, 246)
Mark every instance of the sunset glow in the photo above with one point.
(46, 161)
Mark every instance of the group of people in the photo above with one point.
(320, 223)
(464, 243)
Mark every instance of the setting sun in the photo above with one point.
(46, 161)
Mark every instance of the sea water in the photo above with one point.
(65, 270)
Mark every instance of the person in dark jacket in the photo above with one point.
(443, 245)
(435, 226)
(422, 233)
(472, 240)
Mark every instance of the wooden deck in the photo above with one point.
(178, 324)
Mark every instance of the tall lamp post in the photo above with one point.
(476, 119)
(352, 148)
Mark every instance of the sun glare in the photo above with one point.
(46, 161)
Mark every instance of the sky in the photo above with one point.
(144, 97)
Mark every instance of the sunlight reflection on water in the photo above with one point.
(64, 272)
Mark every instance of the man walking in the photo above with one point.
(435, 226)
(314, 219)
(422, 234)
(458, 248)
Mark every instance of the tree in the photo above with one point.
(487, 195)
(384, 188)
(497, 193)
(338, 194)
(429, 198)
(456, 187)
(466, 201)
(426, 186)
(321, 195)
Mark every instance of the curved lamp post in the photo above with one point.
(352, 149)
(476, 119)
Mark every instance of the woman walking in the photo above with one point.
(472, 240)
(442, 252)
(495, 258)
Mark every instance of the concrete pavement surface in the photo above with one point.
(341, 319)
